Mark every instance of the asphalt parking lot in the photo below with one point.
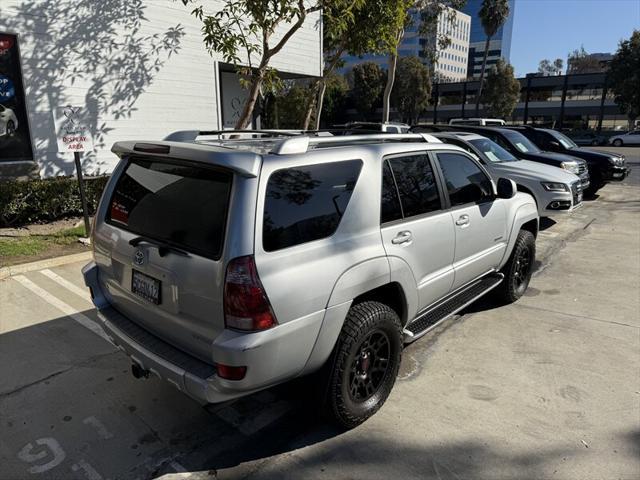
(546, 388)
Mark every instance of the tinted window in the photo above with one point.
(416, 184)
(466, 183)
(390, 209)
(303, 204)
(177, 203)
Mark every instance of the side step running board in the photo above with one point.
(450, 305)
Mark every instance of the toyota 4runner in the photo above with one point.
(229, 266)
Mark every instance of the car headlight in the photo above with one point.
(555, 187)
(617, 161)
(570, 167)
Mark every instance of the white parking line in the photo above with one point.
(62, 306)
(81, 292)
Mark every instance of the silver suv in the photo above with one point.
(229, 266)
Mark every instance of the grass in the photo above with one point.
(37, 244)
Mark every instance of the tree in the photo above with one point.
(502, 92)
(367, 80)
(335, 98)
(427, 13)
(247, 27)
(579, 61)
(547, 68)
(356, 28)
(412, 90)
(493, 14)
(624, 76)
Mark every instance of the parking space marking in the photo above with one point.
(87, 469)
(99, 426)
(81, 292)
(62, 306)
(51, 448)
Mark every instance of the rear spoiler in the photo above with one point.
(243, 163)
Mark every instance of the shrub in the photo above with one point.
(33, 201)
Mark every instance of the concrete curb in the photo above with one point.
(6, 272)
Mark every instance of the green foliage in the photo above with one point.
(624, 76)
(286, 108)
(579, 61)
(367, 81)
(335, 98)
(242, 30)
(547, 68)
(502, 92)
(493, 14)
(412, 89)
(33, 201)
(430, 11)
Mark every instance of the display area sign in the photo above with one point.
(73, 133)
(15, 138)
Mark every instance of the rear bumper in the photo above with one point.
(271, 357)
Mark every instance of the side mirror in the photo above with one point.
(506, 188)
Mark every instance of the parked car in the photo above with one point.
(8, 121)
(521, 147)
(355, 127)
(589, 138)
(603, 166)
(229, 266)
(629, 138)
(484, 122)
(556, 191)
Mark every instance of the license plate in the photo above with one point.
(146, 287)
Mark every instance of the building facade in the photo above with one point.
(579, 101)
(139, 69)
(499, 45)
(451, 65)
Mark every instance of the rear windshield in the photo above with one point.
(174, 202)
(303, 204)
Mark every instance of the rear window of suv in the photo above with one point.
(303, 204)
(175, 202)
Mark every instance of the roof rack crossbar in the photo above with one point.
(297, 145)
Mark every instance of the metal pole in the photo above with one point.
(83, 197)
(602, 100)
(464, 97)
(526, 101)
(564, 98)
(435, 104)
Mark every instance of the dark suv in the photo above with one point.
(603, 166)
(519, 146)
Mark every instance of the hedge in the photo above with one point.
(35, 201)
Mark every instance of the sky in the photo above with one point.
(553, 28)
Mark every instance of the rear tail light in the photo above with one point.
(246, 306)
(231, 373)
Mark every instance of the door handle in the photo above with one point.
(462, 220)
(402, 237)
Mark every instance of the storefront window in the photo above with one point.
(15, 140)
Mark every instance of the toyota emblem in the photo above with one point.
(138, 257)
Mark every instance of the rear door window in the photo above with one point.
(306, 203)
(416, 184)
(178, 203)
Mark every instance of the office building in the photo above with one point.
(500, 44)
(451, 65)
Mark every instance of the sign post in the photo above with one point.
(74, 135)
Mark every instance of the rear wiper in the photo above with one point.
(163, 248)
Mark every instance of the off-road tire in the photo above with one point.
(513, 286)
(365, 320)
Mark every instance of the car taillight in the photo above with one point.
(246, 306)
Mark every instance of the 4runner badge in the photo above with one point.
(138, 257)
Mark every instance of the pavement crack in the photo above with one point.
(611, 322)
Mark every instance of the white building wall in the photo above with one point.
(453, 60)
(139, 67)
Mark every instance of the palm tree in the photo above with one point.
(493, 14)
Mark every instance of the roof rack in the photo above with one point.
(301, 143)
(192, 135)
